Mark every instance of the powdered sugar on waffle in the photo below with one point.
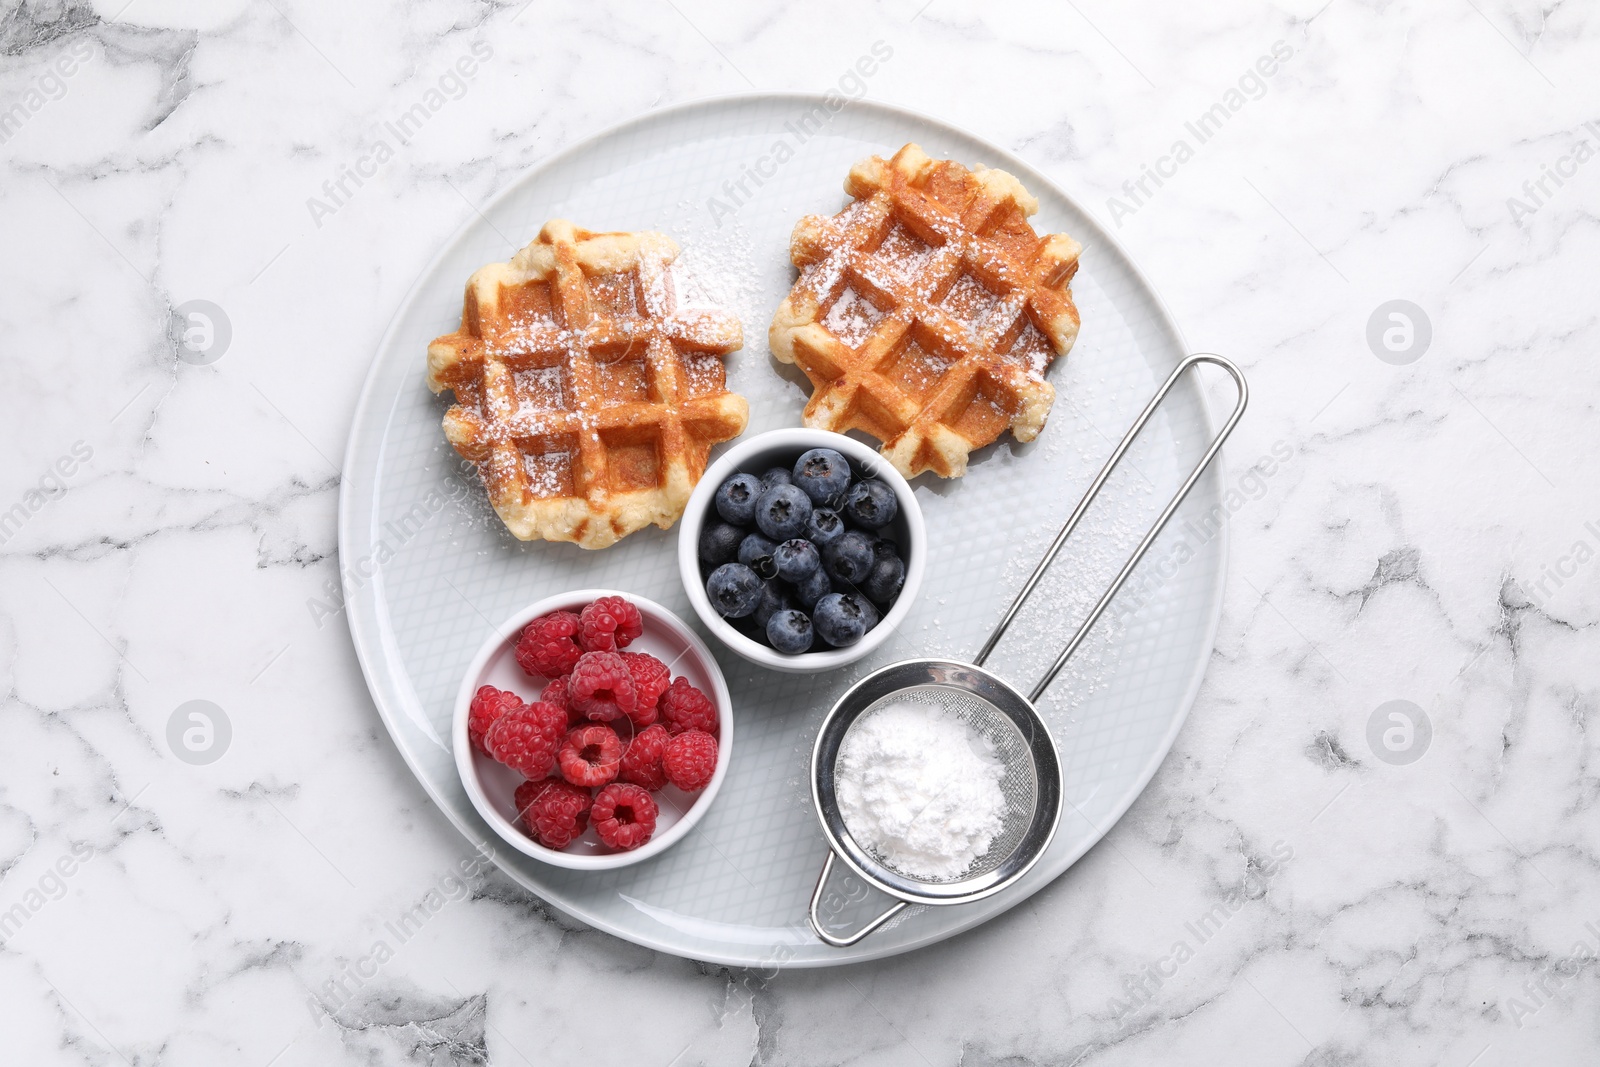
(851, 318)
(547, 473)
(905, 255)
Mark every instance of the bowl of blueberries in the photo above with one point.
(802, 550)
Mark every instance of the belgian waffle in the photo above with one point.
(927, 312)
(587, 398)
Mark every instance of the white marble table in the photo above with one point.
(1289, 890)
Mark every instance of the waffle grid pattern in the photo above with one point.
(588, 400)
(928, 311)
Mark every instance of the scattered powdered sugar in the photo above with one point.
(548, 473)
(969, 302)
(823, 277)
(718, 270)
(658, 284)
(704, 373)
(851, 318)
(540, 389)
(1032, 351)
(921, 790)
(905, 254)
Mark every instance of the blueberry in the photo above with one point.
(824, 527)
(734, 589)
(754, 547)
(868, 609)
(841, 618)
(775, 476)
(719, 542)
(849, 559)
(782, 512)
(885, 581)
(813, 588)
(796, 558)
(871, 504)
(736, 499)
(774, 598)
(884, 548)
(790, 632)
(823, 474)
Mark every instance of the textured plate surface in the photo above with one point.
(427, 564)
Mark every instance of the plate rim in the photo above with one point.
(361, 640)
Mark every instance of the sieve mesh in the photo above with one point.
(1019, 784)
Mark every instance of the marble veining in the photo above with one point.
(1296, 886)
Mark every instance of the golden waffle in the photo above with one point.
(586, 396)
(927, 312)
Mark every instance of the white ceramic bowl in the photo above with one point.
(780, 448)
(491, 785)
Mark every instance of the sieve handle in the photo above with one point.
(1149, 538)
(851, 939)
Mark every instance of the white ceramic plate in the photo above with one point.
(428, 566)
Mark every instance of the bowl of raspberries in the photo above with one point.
(596, 734)
(802, 550)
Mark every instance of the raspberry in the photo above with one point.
(683, 707)
(641, 763)
(690, 760)
(624, 816)
(547, 647)
(488, 704)
(526, 738)
(602, 688)
(592, 755)
(556, 693)
(650, 678)
(554, 811)
(608, 624)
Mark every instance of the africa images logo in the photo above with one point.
(1251, 85)
(1399, 332)
(1537, 192)
(452, 85)
(199, 732)
(52, 485)
(44, 90)
(851, 85)
(1144, 985)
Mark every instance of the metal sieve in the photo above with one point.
(998, 714)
